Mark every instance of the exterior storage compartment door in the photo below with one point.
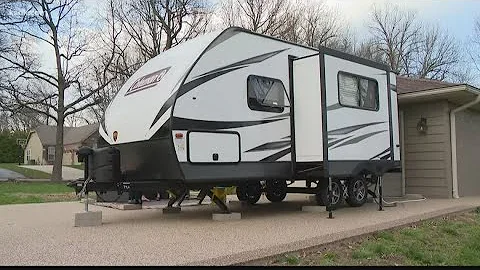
(213, 147)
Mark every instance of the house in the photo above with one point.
(40, 146)
(439, 132)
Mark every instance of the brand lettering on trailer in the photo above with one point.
(147, 81)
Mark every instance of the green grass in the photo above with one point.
(27, 192)
(449, 241)
(76, 166)
(27, 172)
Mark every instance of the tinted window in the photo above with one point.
(265, 94)
(357, 91)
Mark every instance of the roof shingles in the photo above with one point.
(410, 85)
(71, 135)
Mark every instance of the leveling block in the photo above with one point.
(226, 216)
(87, 219)
(313, 208)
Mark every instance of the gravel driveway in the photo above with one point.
(43, 234)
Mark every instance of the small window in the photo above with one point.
(29, 155)
(265, 94)
(357, 91)
(51, 153)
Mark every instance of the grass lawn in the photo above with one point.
(453, 240)
(28, 192)
(77, 166)
(29, 173)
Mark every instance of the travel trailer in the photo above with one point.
(236, 108)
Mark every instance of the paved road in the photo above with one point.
(7, 174)
(68, 173)
(43, 234)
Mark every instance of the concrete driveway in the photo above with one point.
(43, 234)
(7, 174)
(68, 173)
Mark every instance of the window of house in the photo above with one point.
(357, 91)
(28, 155)
(51, 153)
(265, 94)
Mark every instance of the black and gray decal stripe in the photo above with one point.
(387, 156)
(278, 155)
(167, 105)
(280, 115)
(197, 82)
(360, 138)
(384, 152)
(187, 88)
(222, 38)
(189, 124)
(210, 76)
(270, 146)
(330, 144)
(253, 60)
(346, 130)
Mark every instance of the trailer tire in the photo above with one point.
(337, 190)
(241, 193)
(249, 192)
(151, 195)
(357, 192)
(276, 190)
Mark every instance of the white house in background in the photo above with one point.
(40, 146)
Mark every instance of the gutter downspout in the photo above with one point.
(453, 143)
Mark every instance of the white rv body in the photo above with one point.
(187, 114)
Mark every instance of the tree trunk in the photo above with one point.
(57, 164)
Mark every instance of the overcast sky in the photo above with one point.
(457, 16)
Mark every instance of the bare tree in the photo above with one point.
(395, 33)
(303, 22)
(157, 25)
(474, 50)
(147, 28)
(321, 25)
(63, 89)
(410, 47)
(262, 16)
(437, 56)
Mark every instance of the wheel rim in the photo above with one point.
(335, 193)
(277, 188)
(359, 190)
(252, 191)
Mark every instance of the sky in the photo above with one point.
(456, 16)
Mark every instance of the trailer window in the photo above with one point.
(357, 91)
(265, 94)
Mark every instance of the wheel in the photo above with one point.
(337, 195)
(276, 190)
(151, 195)
(357, 192)
(241, 192)
(254, 192)
(249, 192)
